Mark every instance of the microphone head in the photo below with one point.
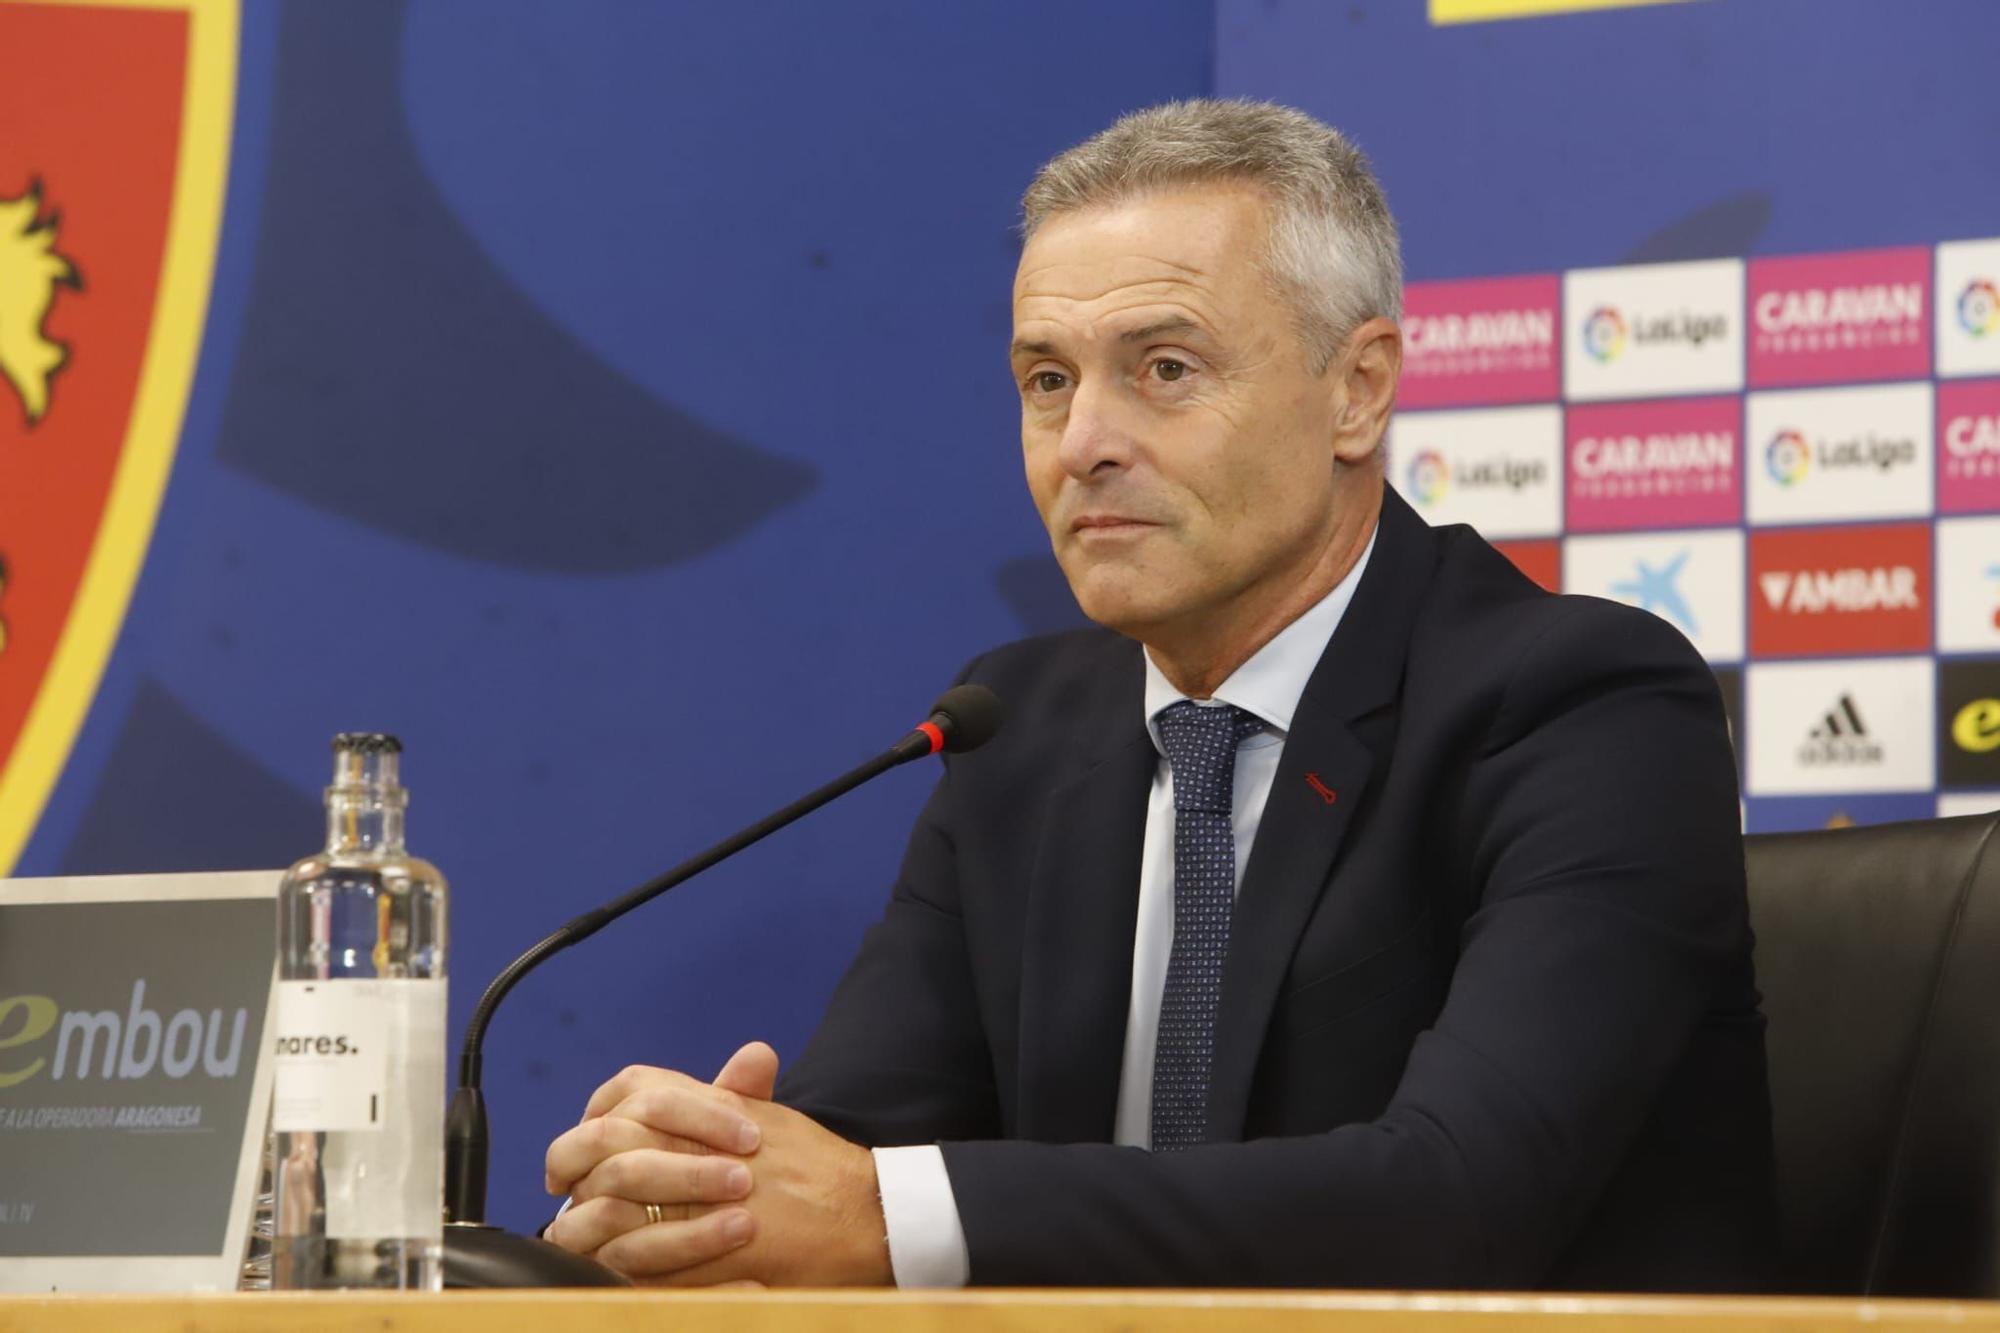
(968, 715)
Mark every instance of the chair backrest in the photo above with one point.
(1878, 953)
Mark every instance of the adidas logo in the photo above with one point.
(1841, 738)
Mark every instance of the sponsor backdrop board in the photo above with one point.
(1778, 386)
(1823, 532)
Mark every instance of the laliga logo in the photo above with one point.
(1979, 308)
(1429, 475)
(1787, 457)
(1604, 333)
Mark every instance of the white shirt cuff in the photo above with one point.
(926, 1241)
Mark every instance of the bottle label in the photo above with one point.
(332, 1055)
(358, 1054)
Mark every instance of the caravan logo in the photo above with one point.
(1968, 447)
(1653, 465)
(1490, 340)
(1816, 319)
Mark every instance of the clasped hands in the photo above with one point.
(748, 1191)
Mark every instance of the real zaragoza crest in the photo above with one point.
(113, 158)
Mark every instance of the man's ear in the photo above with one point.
(1368, 365)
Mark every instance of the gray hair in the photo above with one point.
(1332, 250)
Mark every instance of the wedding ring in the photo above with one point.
(653, 1213)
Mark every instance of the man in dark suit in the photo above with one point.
(1349, 912)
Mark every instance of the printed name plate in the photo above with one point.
(134, 1073)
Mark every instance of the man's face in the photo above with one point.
(1179, 441)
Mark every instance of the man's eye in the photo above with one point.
(1048, 381)
(1168, 369)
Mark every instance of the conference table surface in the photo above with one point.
(967, 1312)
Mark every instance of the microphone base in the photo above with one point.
(478, 1257)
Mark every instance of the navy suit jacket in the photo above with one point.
(1488, 1017)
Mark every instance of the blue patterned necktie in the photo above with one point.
(1201, 749)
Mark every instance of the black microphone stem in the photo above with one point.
(465, 1125)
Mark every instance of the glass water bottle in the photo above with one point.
(358, 1102)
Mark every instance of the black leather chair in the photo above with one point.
(1878, 952)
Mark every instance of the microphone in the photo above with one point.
(964, 718)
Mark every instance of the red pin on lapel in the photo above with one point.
(1326, 793)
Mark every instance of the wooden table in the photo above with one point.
(966, 1312)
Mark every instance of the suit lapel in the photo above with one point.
(1076, 982)
(1322, 776)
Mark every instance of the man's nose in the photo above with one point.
(1094, 438)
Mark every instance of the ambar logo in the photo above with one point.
(128, 1046)
(1852, 590)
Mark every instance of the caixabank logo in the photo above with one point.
(1852, 725)
(1652, 465)
(1498, 470)
(1864, 315)
(1851, 590)
(1493, 340)
(1691, 580)
(1968, 585)
(111, 181)
(1968, 308)
(1833, 455)
(1653, 330)
(1968, 721)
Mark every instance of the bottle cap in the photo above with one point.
(366, 742)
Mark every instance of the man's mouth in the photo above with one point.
(1108, 524)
